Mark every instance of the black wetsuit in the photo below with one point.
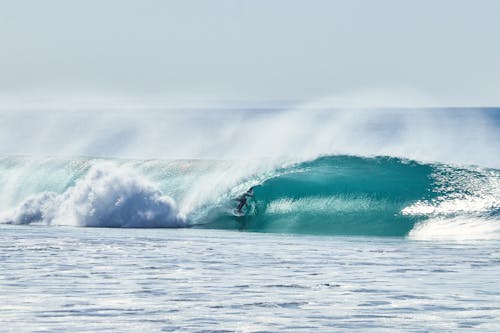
(243, 200)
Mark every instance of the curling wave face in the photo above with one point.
(331, 195)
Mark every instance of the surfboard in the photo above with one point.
(238, 213)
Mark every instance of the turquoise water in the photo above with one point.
(329, 195)
(338, 195)
(186, 280)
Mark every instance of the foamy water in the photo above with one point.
(122, 280)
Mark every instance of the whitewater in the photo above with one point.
(124, 219)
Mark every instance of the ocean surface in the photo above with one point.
(381, 220)
(63, 279)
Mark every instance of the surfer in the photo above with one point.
(243, 200)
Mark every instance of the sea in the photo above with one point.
(383, 220)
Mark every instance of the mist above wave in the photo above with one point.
(459, 136)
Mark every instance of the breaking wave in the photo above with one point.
(105, 197)
(330, 195)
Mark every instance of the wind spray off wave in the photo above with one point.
(304, 132)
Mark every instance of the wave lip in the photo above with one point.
(107, 196)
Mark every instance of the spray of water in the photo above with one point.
(106, 197)
(254, 142)
(142, 129)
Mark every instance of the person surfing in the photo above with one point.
(243, 200)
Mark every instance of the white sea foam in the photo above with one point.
(107, 196)
(460, 228)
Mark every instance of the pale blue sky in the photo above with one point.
(252, 50)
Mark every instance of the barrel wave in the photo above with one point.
(337, 195)
(329, 195)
